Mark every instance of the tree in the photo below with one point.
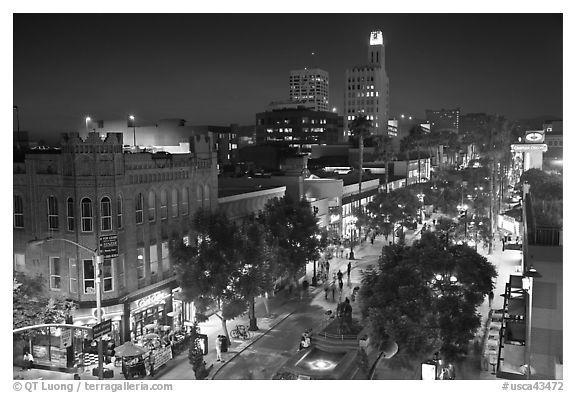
(256, 259)
(412, 300)
(206, 272)
(398, 206)
(361, 128)
(292, 229)
(33, 305)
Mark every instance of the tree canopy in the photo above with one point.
(424, 297)
(32, 305)
(292, 228)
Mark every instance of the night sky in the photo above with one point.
(224, 68)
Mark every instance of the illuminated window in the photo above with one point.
(105, 214)
(73, 273)
(151, 206)
(70, 214)
(19, 262)
(207, 196)
(52, 212)
(55, 279)
(163, 205)
(154, 263)
(88, 268)
(174, 203)
(199, 197)
(139, 208)
(165, 257)
(107, 282)
(184, 199)
(140, 263)
(18, 212)
(86, 212)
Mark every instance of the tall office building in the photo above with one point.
(310, 88)
(444, 120)
(367, 88)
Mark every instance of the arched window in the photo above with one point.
(105, 214)
(18, 212)
(184, 201)
(163, 205)
(119, 211)
(174, 202)
(70, 214)
(139, 209)
(199, 197)
(207, 196)
(86, 211)
(151, 206)
(52, 212)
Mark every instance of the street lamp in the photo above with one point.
(133, 122)
(314, 280)
(527, 286)
(97, 263)
(353, 220)
(463, 210)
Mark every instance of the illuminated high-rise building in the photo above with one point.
(309, 87)
(367, 88)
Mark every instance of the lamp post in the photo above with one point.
(133, 121)
(314, 280)
(463, 209)
(527, 286)
(352, 233)
(97, 263)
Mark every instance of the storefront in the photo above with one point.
(151, 314)
(183, 312)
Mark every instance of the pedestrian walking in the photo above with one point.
(503, 243)
(327, 268)
(349, 268)
(339, 274)
(340, 285)
(219, 348)
(490, 298)
(333, 288)
(326, 288)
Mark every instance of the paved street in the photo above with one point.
(278, 336)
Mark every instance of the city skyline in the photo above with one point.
(224, 68)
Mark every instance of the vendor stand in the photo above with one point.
(133, 360)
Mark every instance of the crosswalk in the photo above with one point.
(90, 359)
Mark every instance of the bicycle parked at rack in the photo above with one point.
(242, 332)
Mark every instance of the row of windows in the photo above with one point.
(110, 268)
(179, 206)
(361, 79)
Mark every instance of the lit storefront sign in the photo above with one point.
(150, 300)
(534, 136)
(529, 147)
(334, 218)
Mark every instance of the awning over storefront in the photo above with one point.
(515, 333)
